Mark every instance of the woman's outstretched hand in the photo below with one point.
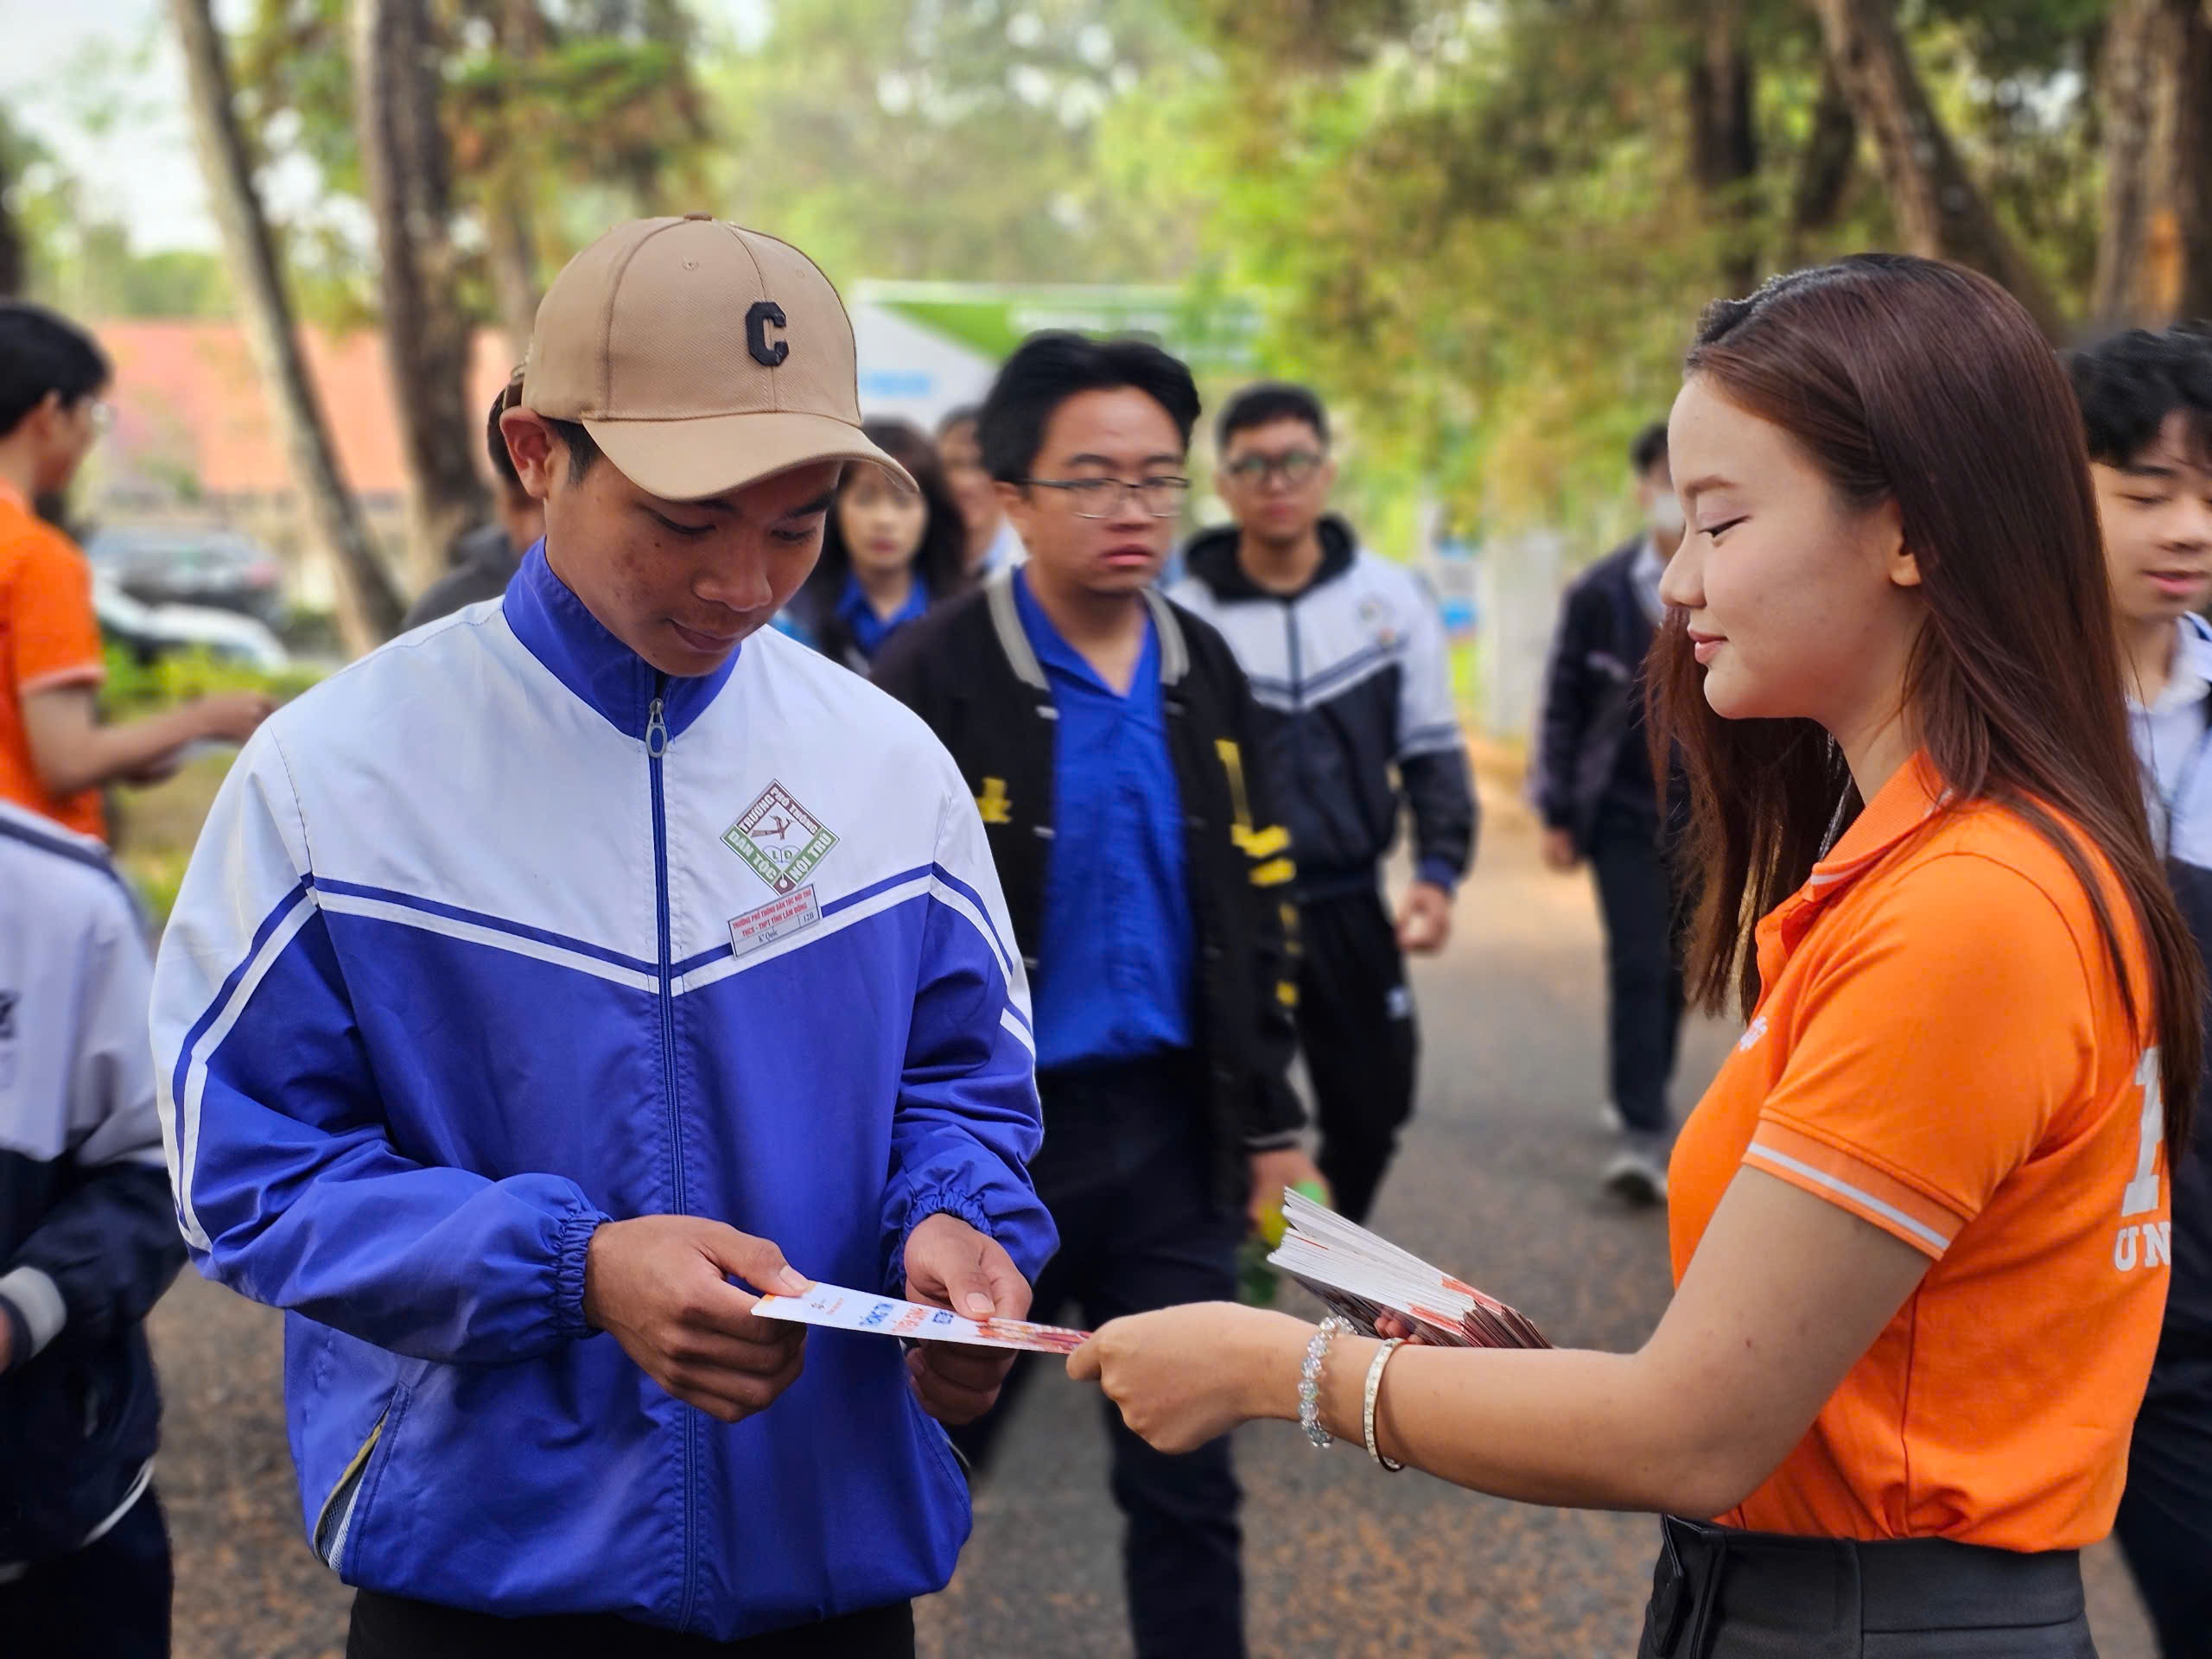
(1185, 1374)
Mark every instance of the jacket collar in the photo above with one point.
(1212, 558)
(575, 647)
(2194, 652)
(1014, 639)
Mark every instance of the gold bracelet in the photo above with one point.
(1374, 1391)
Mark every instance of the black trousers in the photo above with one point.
(1125, 1173)
(2165, 1525)
(1356, 1026)
(108, 1600)
(1719, 1592)
(393, 1627)
(1643, 967)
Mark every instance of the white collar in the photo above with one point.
(2190, 678)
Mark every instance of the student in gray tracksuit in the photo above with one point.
(88, 1242)
(1346, 652)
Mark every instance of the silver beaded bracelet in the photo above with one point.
(1309, 1379)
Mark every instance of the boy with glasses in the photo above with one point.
(55, 756)
(1346, 656)
(1109, 737)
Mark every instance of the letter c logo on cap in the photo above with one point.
(764, 315)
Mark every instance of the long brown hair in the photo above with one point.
(1911, 381)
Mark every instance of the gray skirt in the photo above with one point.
(1721, 1593)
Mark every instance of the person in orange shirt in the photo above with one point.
(55, 756)
(1920, 1223)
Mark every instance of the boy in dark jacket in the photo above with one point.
(1108, 737)
(1594, 788)
(88, 1242)
(2146, 406)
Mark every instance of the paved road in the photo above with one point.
(1496, 1182)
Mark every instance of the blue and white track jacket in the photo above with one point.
(499, 934)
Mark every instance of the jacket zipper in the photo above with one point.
(1297, 691)
(656, 748)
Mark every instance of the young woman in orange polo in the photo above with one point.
(1919, 1223)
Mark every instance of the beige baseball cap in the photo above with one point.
(700, 357)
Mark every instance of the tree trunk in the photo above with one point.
(1724, 144)
(2190, 189)
(521, 29)
(1825, 168)
(404, 157)
(514, 267)
(1941, 211)
(2138, 40)
(369, 610)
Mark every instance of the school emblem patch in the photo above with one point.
(781, 840)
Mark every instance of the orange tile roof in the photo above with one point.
(190, 406)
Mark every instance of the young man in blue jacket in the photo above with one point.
(568, 959)
(87, 1245)
(2146, 407)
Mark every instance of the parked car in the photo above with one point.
(176, 564)
(150, 631)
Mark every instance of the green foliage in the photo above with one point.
(921, 139)
(1480, 229)
(571, 115)
(85, 265)
(135, 689)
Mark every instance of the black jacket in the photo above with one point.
(967, 670)
(1356, 708)
(2181, 821)
(2188, 1299)
(484, 561)
(1592, 752)
(88, 1233)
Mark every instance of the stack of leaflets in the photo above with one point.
(1363, 1277)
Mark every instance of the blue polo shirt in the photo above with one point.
(869, 630)
(1117, 953)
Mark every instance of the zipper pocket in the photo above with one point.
(337, 1514)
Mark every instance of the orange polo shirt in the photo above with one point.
(49, 637)
(1941, 1047)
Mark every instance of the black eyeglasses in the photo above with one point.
(1102, 498)
(1293, 466)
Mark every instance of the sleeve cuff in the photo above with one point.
(571, 1253)
(35, 1309)
(1438, 871)
(1871, 1193)
(940, 1201)
(56, 679)
(1274, 1141)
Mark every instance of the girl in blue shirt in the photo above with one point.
(887, 554)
